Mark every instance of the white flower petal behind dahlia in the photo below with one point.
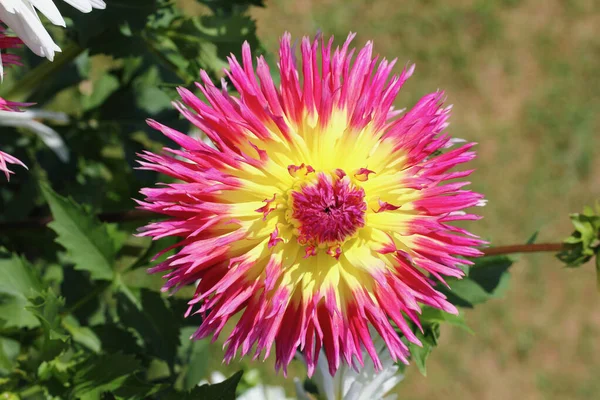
(347, 384)
(30, 119)
(21, 16)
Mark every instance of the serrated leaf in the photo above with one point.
(87, 240)
(47, 307)
(153, 321)
(103, 373)
(18, 281)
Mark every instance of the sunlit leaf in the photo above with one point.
(87, 241)
(18, 281)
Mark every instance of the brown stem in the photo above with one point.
(523, 248)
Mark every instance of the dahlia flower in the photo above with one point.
(21, 16)
(318, 212)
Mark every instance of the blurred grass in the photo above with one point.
(523, 76)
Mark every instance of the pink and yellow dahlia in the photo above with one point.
(317, 211)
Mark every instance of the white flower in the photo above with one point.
(30, 119)
(263, 392)
(258, 392)
(21, 16)
(348, 384)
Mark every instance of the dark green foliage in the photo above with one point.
(132, 344)
(79, 316)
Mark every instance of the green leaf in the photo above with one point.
(115, 339)
(194, 356)
(61, 368)
(429, 340)
(429, 314)
(82, 334)
(87, 241)
(133, 388)
(103, 373)
(220, 391)
(583, 243)
(487, 279)
(153, 321)
(47, 307)
(102, 89)
(533, 238)
(9, 350)
(18, 281)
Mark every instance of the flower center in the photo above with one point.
(326, 209)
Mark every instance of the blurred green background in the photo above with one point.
(524, 79)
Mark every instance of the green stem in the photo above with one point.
(22, 89)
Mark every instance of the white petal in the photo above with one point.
(98, 4)
(21, 16)
(24, 21)
(86, 6)
(48, 8)
(48, 135)
(323, 378)
(82, 5)
(300, 392)
(217, 377)
(367, 384)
